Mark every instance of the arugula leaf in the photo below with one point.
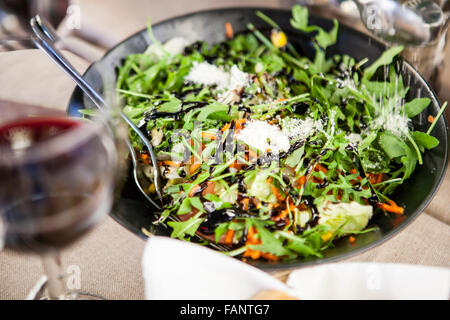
(425, 140)
(385, 59)
(299, 21)
(416, 106)
(392, 145)
(299, 245)
(295, 158)
(188, 227)
(211, 109)
(185, 207)
(269, 243)
(219, 204)
(170, 107)
(221, 230)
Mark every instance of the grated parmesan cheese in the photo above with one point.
(354, 138)
(263, 136)
(229, 82)
(397, 124)
(208, 75)
(298, 128)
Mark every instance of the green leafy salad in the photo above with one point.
(266, 151)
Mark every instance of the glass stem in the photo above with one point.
(55, 277)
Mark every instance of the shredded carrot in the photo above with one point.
(229, 30)
(375, 178)
(319, 167)
(209, 188)
(235, 165)
(240, 124)
(353, 171)
(245, 204)
(194, 168)
(254, 254)
(208, 135)
(277, 193)
(351, 239)
(226, 127)
(280, 100)
(431, 119)
(251, 239)
(171, 163)
(194, 190)
(317, 180)
(392, 207)
(145, 158)
(269, 256)
(301, 181)
(229, 236)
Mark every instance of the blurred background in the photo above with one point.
(90, 27)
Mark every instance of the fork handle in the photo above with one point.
(43, 41)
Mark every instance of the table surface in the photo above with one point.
(109, 257)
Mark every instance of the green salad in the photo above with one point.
(266, 151)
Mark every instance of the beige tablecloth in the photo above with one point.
(109, 257)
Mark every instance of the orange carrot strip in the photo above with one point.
(240, 123)
(269, 256)
(229, 30)
(277, 193)
(194, 190)
(235, 165)
(226, 127)
(351, 239)
(319, 167)
(301, 181)
(379, 178)
(430, 119)
(251, 239)
(229, 236)
(254, 254)
(171, 163)
(194, 168)
(245, 204)
(209, 188)
(391, 207)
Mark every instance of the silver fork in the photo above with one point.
(44, 38)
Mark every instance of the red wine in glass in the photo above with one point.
(56, 181)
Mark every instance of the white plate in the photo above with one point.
(179, 270)
(368, 281)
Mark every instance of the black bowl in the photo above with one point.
(134, 213)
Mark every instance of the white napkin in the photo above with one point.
(179, 270)
(367, 281)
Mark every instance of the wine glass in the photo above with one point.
(57, 177)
